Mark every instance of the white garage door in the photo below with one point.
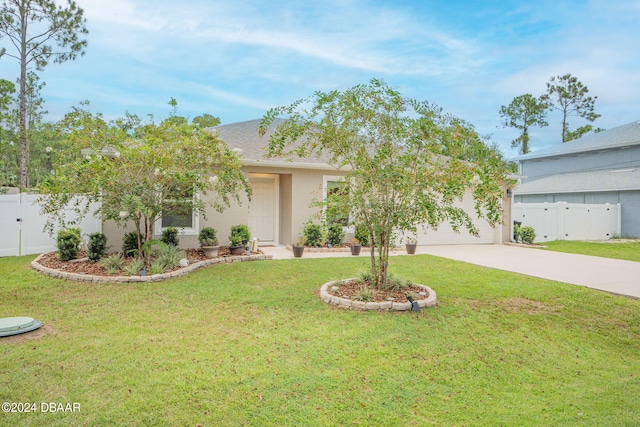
(446, 236)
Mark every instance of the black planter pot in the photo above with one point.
(355, 249)
(411, 248)
(297, 251)
(237, 250)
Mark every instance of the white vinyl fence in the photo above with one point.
(569, 221)
(21, 226)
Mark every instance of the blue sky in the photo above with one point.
(236, 59)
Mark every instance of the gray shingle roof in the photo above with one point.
(583, 182)
(621, 136)
(244, 135)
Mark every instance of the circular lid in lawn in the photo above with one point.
(18, 325)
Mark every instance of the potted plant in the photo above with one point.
(209, 242)
(298, 247)
(411, 246)
(355, 246)
(239, 237)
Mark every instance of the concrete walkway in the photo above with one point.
(605, 274)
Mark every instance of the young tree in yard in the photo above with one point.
(39, 31)
(569, 96)
(138, 171)
(523, 112)
(405, 162)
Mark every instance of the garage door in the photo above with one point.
(446, 236)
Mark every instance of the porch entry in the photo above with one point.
(263, 209)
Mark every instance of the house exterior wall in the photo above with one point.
(601, 160)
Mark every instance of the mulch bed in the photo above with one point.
(349, 290)
(85, 266)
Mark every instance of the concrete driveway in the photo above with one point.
(609, 275)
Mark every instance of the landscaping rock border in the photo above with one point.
(430, 301)
(312, 250)
(141, 279)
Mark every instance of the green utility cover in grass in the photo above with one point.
(18, 325)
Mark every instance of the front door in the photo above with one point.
(263, 207)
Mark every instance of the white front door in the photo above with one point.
(263, 207)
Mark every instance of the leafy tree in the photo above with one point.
(568, 95)
(206, 120)
(523, 112)
(405, 162)
(139, 170)
(38, 31)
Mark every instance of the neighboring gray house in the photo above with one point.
(598, 168)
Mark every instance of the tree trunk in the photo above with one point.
(22, 127)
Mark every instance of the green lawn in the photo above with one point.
(251, 344)
(628, 250)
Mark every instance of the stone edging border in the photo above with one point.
(312, 250)
(430, 301)
(141, 279)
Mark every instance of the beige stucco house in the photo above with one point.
(283, 194)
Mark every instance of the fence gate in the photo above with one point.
(21, 226)
(10, 216)
(569, 221)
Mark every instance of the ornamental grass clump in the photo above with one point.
(113, 264)
(134, 267)
(168, 257)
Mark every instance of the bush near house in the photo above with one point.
(313, 234)
(97, 246)
(67, 243)
(240, 235)
(335, 234)
(170, 236)
(361, 233)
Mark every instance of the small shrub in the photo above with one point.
(67, 242)
(240, 235)
(361, 233)
(169, 257)
(130, 244)
(113, 264)
(313, 234)
(516, 233)
(134, 267)
(336, 234)
(527, 234)
(96, 246)
(208, 237)
(170, 236)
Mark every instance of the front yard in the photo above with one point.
(252, 344)
(627, 250)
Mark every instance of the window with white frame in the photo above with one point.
(180, 215)
(335, 188)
